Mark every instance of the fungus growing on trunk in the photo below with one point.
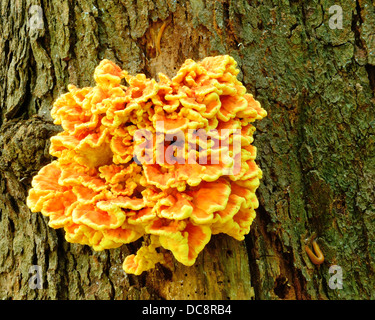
(104, 194)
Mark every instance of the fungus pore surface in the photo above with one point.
(154, 160)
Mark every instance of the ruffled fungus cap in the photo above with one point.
(104, 190)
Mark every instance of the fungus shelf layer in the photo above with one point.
(153, 158)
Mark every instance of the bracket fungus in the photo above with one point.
(121, 174)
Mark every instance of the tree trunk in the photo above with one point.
(316, 147)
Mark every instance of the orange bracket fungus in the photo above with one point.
(170, 160)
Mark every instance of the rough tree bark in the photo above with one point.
(316, 148)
